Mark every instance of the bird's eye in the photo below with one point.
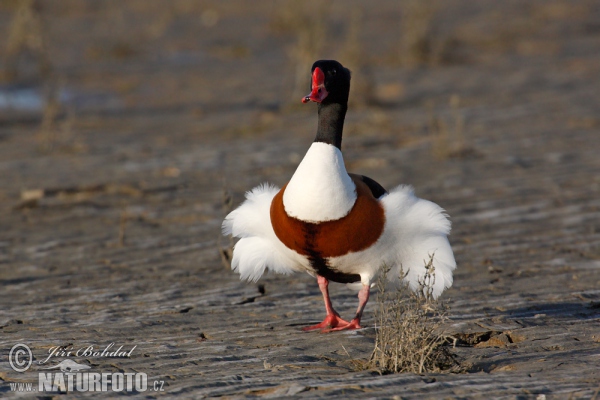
(333, 72)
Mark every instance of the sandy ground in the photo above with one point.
(111, 196)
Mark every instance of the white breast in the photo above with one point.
(320, 189)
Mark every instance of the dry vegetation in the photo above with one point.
(421, 43)
(310, 29)
(416, 32)
(448, 135)
(354, 55)
(26, 39)
(308, 24)
(410, 334)
(27, 45)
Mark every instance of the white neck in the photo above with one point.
(320, 189)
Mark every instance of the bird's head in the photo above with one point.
(330, 83)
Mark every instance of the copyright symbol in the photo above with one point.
(20, 357)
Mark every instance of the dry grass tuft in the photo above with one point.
(48, 133)
(410, 334)
(307, 22)
(57, 132)
(416, 38)
(421, 41)
(308, 25)
(354, 56)
(26, 39)
(448, 137)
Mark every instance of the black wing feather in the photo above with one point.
(375, 187)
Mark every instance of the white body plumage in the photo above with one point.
(415, 229)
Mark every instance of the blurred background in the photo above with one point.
(129, 129)
(87, 79)
(231, 69)
(99, 98)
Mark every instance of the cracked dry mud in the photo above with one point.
(109, 225)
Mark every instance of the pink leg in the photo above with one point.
(363, 297)
(332, 319)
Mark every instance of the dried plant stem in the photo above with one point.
(410, 335)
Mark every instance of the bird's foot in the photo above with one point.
(330, 322)
(354, 324)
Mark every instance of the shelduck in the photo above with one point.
(338, 226)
